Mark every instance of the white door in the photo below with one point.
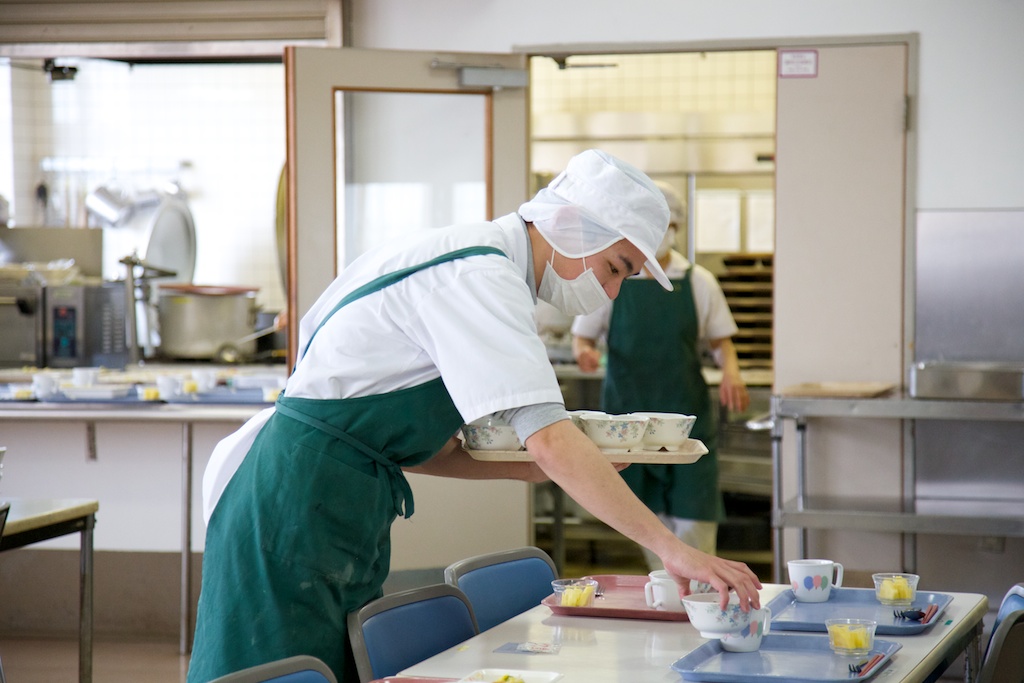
(382, 143)
(843, 262)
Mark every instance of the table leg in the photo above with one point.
(972, 660)
(185, 639)
(85, 603)
(558, 527)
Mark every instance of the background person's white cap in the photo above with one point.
(596, 201)
(676, 206)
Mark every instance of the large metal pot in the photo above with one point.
(207, 322)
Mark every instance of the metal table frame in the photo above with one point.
(188, 416)
(35, 520)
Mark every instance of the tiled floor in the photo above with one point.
(56, 661)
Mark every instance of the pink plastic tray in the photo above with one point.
(622, 598)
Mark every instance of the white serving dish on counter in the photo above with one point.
(97, 392)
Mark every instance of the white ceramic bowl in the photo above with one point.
(490, 434)
(666, 430)
(710, 619)
(615, 433)
(577, 417)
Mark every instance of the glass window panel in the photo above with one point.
(393, 180)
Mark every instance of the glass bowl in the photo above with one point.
(575, 592)
(851, 636)
(893, 588)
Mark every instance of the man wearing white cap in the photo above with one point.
(405, 346)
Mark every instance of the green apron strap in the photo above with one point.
(391, 278)
(401, 492)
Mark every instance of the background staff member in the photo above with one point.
(300, 500)
(654, 364)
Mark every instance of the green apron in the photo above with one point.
(654, 366)
(301, 535)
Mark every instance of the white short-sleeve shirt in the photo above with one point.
(470, 322)
(714, 318)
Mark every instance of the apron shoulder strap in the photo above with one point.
(389, 279)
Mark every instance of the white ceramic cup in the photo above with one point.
(206, 379)
(45, 384)
(662, 592)
(84, 377)
(749, 638)
(170, 386)
(812, 580)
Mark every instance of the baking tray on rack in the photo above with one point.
(788, 614)
(791, 658)
(621, 596)
(690, 452)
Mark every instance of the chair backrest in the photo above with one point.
(523, 575)
(398, 630)
(298, 669)
(1012, 602)
(5, 509)
(1004, 659)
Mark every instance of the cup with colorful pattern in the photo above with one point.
(749, 639)
(813, 580)
(710, 619)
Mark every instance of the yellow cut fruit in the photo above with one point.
(570, 596)
(849, 637)
(577, 596)
(895, 588)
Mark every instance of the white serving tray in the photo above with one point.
(690, 452)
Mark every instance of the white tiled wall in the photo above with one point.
(726, 82)
(218, 130)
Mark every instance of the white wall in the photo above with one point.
(970, 146)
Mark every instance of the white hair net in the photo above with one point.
(597, 201)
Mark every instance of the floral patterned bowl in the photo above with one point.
(615, 433)
(710, 619)
(666, 430)
(490, 434)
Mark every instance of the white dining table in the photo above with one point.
(608, 650)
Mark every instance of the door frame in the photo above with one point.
(562, 51)
(313, 76)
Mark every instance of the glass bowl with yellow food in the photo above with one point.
(851, 636)
(575, 592)
(894, 588)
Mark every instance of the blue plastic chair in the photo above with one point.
(1004, 659)
(1012, 601)
(398, 630)
(524, 576)
(298, 669)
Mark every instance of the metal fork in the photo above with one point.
(855, 668)
(912, 614)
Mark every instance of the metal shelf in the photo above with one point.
(908, 515)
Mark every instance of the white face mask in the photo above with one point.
(573, 297)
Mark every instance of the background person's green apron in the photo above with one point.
(654, 365)
(301, 535)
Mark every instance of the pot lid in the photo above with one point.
(206, 290)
